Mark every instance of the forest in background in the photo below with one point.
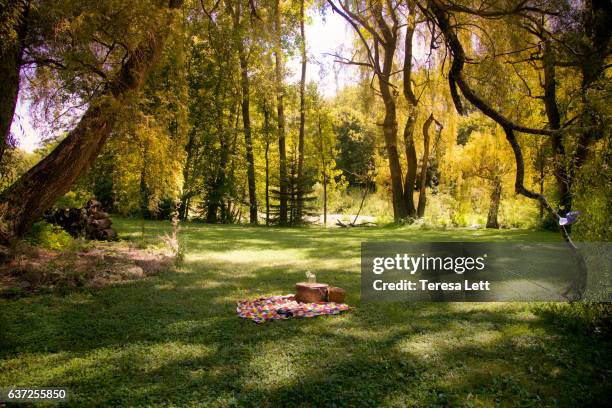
(465, 113)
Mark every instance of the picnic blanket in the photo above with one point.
(285, 307)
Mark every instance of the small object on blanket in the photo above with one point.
(311, 292)
(335, 294)
(285, 307)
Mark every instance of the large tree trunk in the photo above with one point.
(11, 50)
(424, 165)
(36, 191)
(494, 206)
(282, 151)
(390, 134)
(562, 177)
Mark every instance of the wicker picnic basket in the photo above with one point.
(311, 292)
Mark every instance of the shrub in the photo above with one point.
(49, 236)
(587, 318)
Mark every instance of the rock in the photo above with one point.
(134, 272)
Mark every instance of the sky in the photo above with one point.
(324, 34)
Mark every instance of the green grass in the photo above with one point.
(174, 339)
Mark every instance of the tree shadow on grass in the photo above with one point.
(175, 339)
(167, 340)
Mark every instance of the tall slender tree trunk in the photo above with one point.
(246, 114)
(246, 119)
(411, 157)
(218, 185)
(300, 170)
(424, 165)
(186, 194)
(36, 191)
(323, 170)
(390, 134)
(10, 65)
(324, 197)
(282, 150)
(144, 188)
(267, 157)
(494, 206)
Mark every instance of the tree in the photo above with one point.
(13, 30)
(239, 38)
(379, 21)
(485, 158)
(356, 143)
(440, 14)
(37, 190)
(282, 149)
(300, 169)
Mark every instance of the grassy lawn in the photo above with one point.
(174, 339)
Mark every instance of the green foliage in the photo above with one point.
(49, 236)
(355, 148)
(15, 162)
(586, 319)
(593, 195)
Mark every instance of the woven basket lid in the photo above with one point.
(312, 285)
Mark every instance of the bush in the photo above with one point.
(48, 236)
(586, 318)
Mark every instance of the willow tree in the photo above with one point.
(37, 190)
(441, 13)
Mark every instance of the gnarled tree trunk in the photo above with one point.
(36, 191)
(424, 165)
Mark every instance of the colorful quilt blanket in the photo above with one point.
(285, 307)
